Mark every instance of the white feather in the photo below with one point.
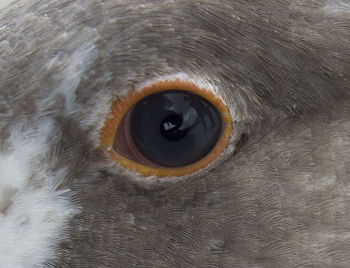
(337, 6)
(33, 214)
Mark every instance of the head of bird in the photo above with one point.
(75, 193)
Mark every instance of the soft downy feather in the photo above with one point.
(279, 197)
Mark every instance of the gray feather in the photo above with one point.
(282, 199)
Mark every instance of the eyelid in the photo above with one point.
(121, 106)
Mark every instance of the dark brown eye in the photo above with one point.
(172, 128)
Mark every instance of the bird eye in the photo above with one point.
(171, 128)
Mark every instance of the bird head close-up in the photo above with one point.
(175, 133)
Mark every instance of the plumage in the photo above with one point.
(279, 196)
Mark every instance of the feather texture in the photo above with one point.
(279, 196)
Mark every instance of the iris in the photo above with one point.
(174, 128)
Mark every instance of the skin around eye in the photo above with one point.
(169, 128)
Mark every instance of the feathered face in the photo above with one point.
(254, 95)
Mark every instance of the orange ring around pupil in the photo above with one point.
(121, 106)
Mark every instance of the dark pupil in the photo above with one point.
(174, 128)
(171, 127)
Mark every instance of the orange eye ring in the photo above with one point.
(121, 106)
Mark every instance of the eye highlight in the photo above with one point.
(170, 128)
